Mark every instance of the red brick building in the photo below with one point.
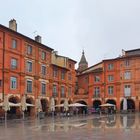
(112, 80)
(62, 83)
(27, 68)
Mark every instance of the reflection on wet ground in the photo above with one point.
(119, 126)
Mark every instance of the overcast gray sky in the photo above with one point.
(101, 27)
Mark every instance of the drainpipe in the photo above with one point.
(3, 66)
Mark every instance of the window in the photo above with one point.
(110, 78)
(127, 75)
(29, 66)
(43, 88)
(62, 91)
(43, 55)
(54, 72)
(29, 49)
(14, 63)
(14, 43)
(69, 76)
(69, 91)
(96, 91)
(62, 75)
(110, 90)
(96, 78)
(0, 83)
(13, 82)
(54, 90)
(43, 70)
(127, 90)
(29, 86)
(127, 63)
(110, 66)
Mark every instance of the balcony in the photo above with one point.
(96, 96)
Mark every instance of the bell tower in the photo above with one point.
(83, 64)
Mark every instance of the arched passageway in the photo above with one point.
(130, 105)
(96, 104)
(45, 105)
(30, 109)
(15, 111)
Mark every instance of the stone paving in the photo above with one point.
(107, 127)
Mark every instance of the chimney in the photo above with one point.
(13, 24)
(38, 39)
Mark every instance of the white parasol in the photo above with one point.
(76, 105)
(52, 104)
(38, 105)
(66, 105)
(23, 103)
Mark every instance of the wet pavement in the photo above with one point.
(106, 127)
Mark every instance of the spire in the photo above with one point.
(83, 64)
(83, 59)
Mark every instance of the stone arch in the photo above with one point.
(45, 105)
(14, 99)
(15, 111)
(30, 109)
(96, 104)
(130, 105)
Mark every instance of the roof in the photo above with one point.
(122, 57)
(133, 50)
(83, 59)
(95, 68)
(72, 60)
(19, 34)
(60, 67)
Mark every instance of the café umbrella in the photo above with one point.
(6, 105)
(107, 105)
(77, 105)
(66, 105)
(38, 105)
(52, 105)
(23, 104)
